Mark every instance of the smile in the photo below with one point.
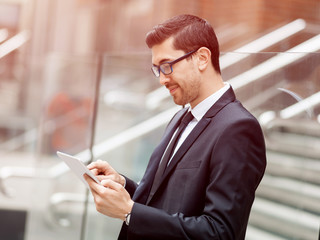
(172, 90)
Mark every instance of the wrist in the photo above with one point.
(128, 214)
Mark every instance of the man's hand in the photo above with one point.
(103, 170)
(111, 198)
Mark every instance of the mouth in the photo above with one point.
(172, 89)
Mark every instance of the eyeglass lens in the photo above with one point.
(166, 68)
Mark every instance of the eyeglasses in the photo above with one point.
(166, 67)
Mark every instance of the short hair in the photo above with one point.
(190, 33)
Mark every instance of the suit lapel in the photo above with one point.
(186, 145)
(144, 187)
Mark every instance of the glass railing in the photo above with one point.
(286, 100)
(67, 123)
(119, 98)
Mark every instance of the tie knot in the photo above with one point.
(187, 118)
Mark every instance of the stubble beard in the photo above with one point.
(189, 92)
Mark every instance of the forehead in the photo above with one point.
(164, 52)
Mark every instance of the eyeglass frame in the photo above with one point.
(156, 69)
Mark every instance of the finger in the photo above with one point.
(104, 177)
(94, 187)
(93, 165)
(94, 171)
(108, 183)
(100, 165)
(88, 179)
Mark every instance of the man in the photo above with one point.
(207, 185)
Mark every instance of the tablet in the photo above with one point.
(77, 166)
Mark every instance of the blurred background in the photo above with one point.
(75, 77)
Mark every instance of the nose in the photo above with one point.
(163, 79)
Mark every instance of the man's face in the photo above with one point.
(184, 81)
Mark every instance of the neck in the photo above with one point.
(211, 84)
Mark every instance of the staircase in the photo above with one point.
(287, 204)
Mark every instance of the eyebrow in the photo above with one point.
(163, 61)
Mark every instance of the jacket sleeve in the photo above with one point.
(130, 186)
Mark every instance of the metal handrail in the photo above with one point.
(304, 106)
(3, 34)
(263, 42)
(284, 120)
(14, 43)
(277, 62)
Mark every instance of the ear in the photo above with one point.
(204, 57)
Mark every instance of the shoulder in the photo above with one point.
(234, 119)
(235, 111)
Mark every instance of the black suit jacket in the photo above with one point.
(208, 189)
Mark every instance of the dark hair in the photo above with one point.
(190, 33)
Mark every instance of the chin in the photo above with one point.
(181, 103)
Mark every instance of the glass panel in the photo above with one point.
(58, 197)
(18, 128)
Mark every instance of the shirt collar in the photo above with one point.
(200, 110)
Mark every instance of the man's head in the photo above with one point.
(189, 33)
(185, 57)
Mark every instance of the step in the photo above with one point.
(254, 233)
(294, 144)
(295, 167)
(284, 221)
(290, 192)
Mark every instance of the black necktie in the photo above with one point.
(167, 156)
